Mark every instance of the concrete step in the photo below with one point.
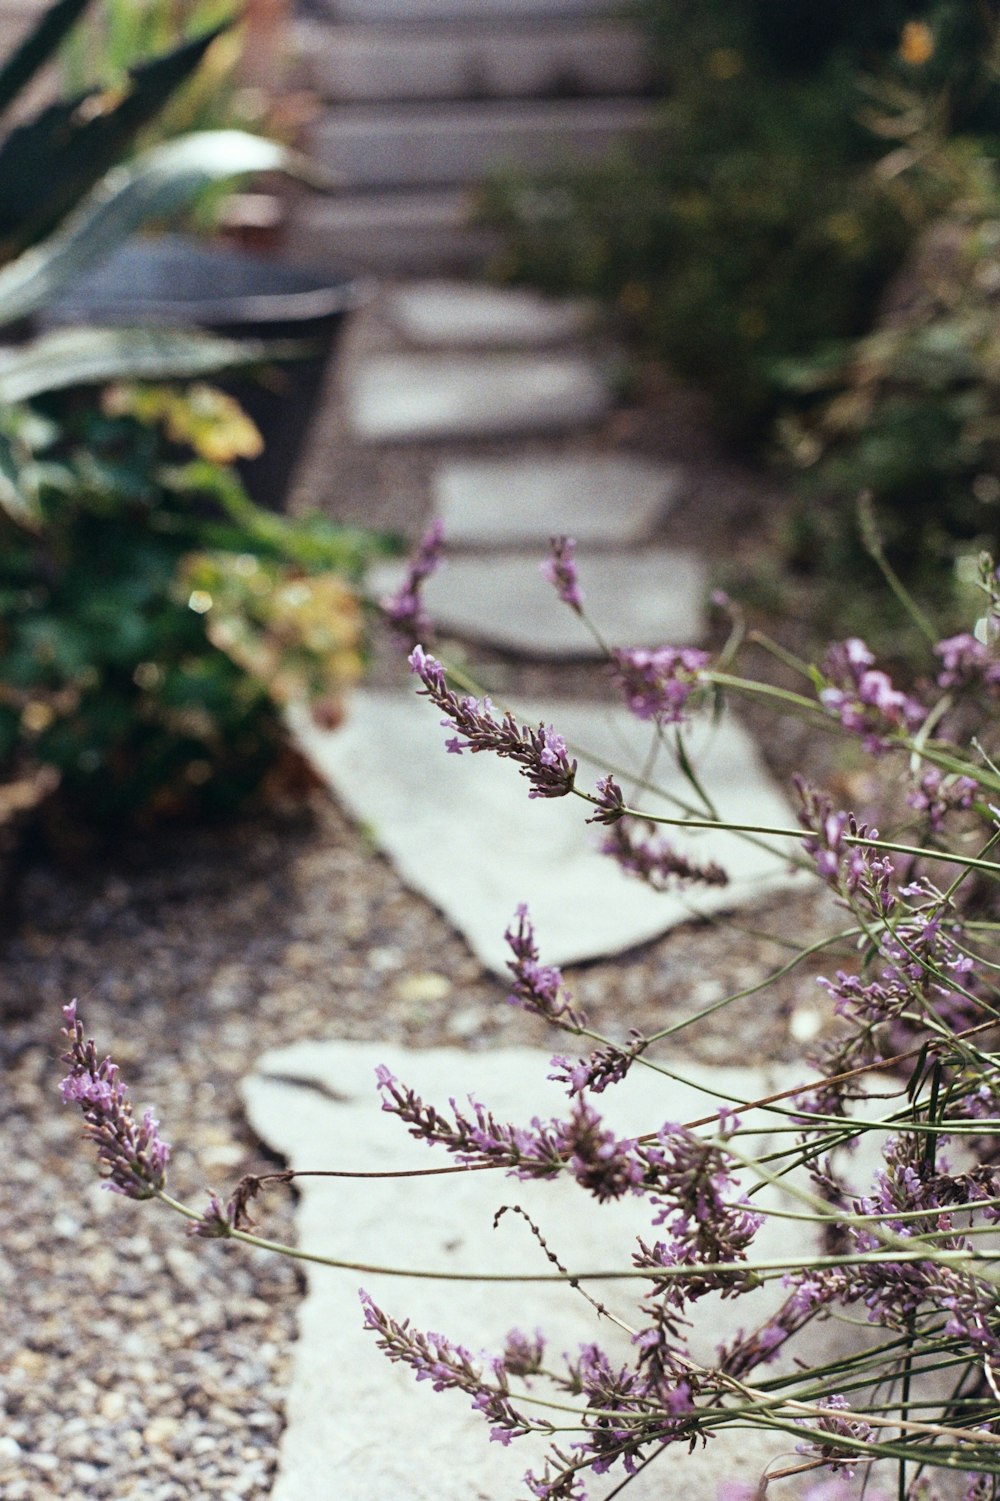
(436, 145)
(408, 398)
(389, 234)
(459, 10)
(555, 59)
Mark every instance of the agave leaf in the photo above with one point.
(90, 356)
(49, 163)
(156, 184)
(37, 47)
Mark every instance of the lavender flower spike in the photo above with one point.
(537, 987)
(560, 571)
(540, 753)
(657, 684)
(135, 1155)
(405, 609)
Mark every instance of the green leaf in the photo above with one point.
(37, 47)
(91, 356)
(49, 163)
(158, 183)
(17, 499)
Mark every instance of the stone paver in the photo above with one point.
(634, 599)
(466, 10)
(463, 831)
(400, 397)
(366, 1426)
(450, 144)
(455, 315)
(448, 60)
(607, 498)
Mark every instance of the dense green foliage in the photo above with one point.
(803, 154)
(155, 623)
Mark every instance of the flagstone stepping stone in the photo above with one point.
(634, 599)
(607, 498)
(401, 397)
(365, 1425)
(462, 830)
(454, 314)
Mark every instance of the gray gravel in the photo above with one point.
(135, 1363)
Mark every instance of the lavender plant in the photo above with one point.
(910, 1064)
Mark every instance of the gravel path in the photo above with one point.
(134, 1363)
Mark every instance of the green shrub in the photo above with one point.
(154, 624)
(756, 227)
(911, 412)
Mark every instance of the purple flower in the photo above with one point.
(863, 699)
(847, 866)
(610, 801)
(811, 1296)
(538, 988)
(601, 1163)
(135, 1156)
(560, 571)
(654, 859)
(523, 1354)
(605, 1066)
(404, 609)
(217, 1222)
(839, 1423)
(937, 795)
(966, 661)
(657, 684)
(540, 753)
(448, 1367)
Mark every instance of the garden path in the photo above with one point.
(474, 367)
(463, 833)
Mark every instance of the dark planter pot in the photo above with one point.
(173, 281)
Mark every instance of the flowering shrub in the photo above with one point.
(908, 1063)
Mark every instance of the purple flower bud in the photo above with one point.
(863, 698)
(540, 754)
(657, 684)
(217, 1222)
(405, 610)
(135, 1156)
(560, 571)
(655, 860)
(538, 988)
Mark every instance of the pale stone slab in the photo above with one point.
(463, 831)
(412, 397)
(463, 10)
(361, 1428)
(439, 145)
(633, 598)
(457, 315)
(608, 498)
(391, 233)
(443, 60)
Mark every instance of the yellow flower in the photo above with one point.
(916, 44)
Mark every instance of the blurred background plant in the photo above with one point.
(154, 622)
(910, 413)
(227, 91)
(806, 158)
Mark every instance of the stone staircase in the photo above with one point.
(420, 99)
